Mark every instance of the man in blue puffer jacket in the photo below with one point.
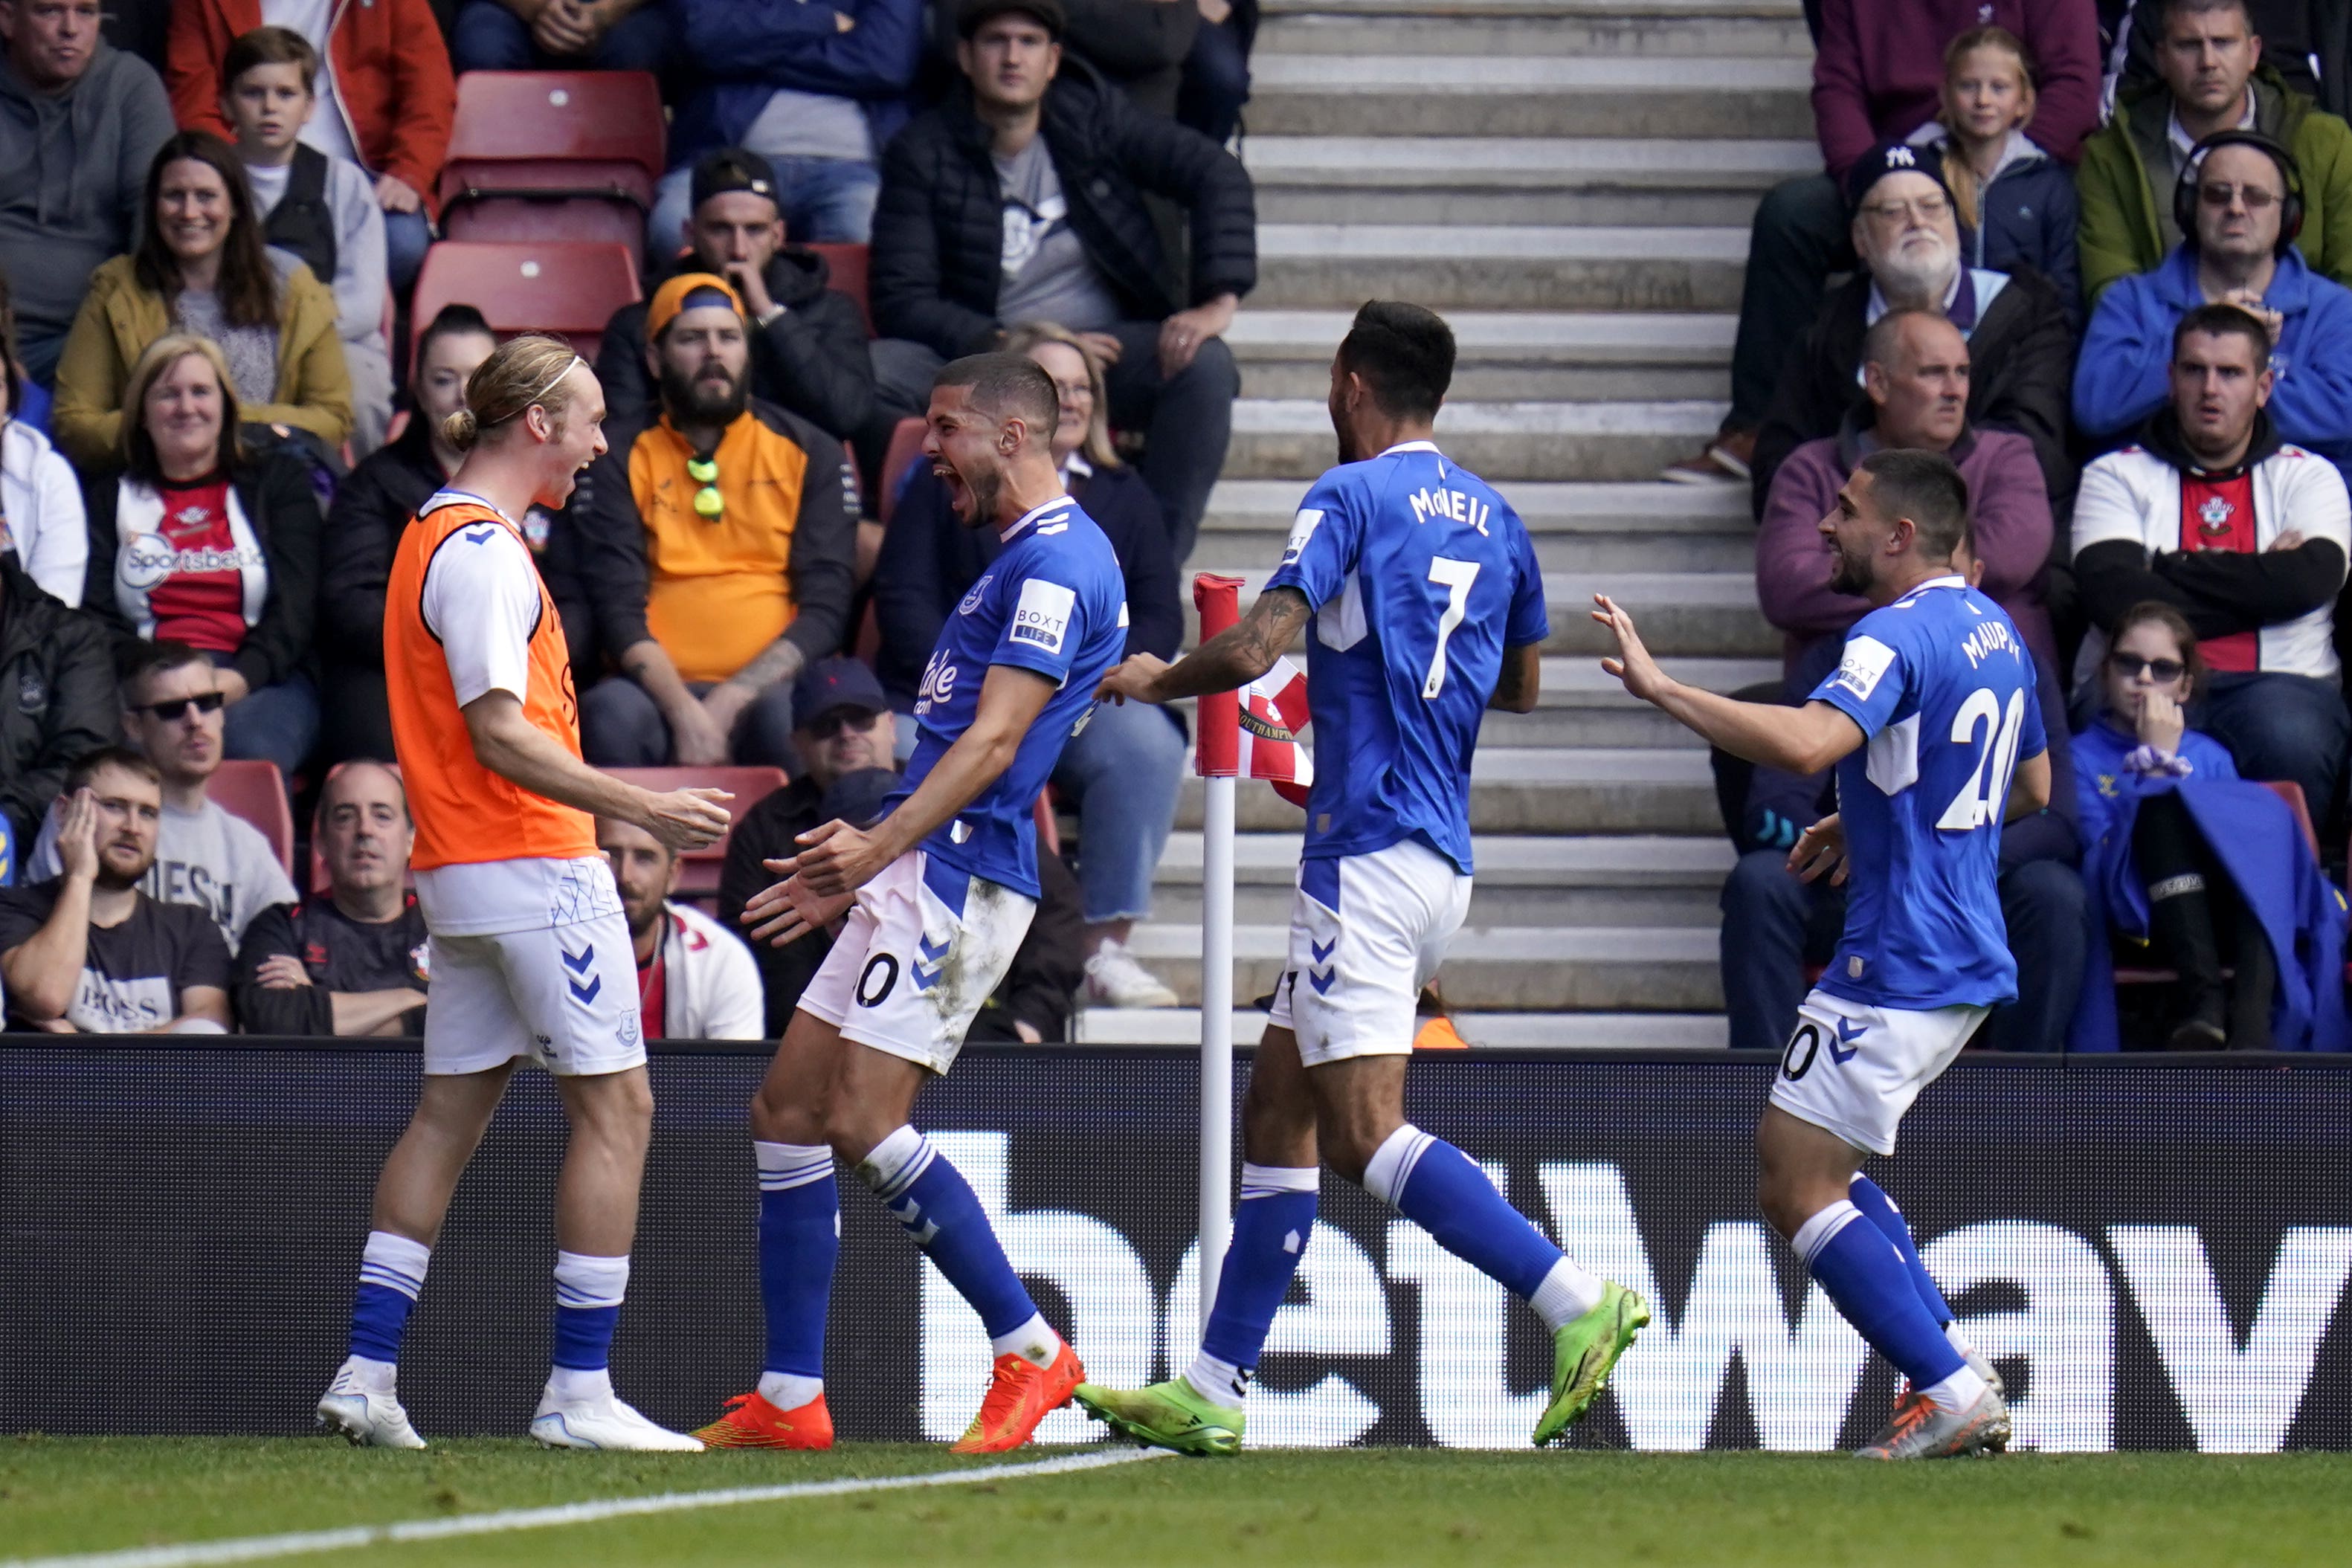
(816, 88)
(2241, 255)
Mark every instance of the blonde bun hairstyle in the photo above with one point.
(520, 374)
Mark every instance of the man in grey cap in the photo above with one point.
(807, 338)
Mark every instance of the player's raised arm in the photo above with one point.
(1797, 740)
(1225, 663)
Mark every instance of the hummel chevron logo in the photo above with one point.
(1848, 1031)
(586, 994)
(480, 536)
(578, 962)
(930, 959)
(1321, 980)
(1321, 951)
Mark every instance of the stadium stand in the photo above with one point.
(699, 873)
(565, 288)
(553, 155)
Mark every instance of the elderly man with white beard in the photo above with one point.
(1907, 235)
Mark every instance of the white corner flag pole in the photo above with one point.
(1217, 759)
(1216, 1034)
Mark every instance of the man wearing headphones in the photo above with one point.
(2240, 205)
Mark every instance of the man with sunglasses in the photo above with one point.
(2213, 512)
(172, 713)
(1906, 232)
(716, 542)
(2243, 189)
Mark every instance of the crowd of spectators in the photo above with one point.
(2095, 254)
(219, 419)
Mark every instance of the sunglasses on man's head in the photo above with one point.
(2129, 665)
(839, 719)
(174, 708)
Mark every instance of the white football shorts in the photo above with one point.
(564, 996)
(923, 948)
(1367, 932)
(1853, 1069)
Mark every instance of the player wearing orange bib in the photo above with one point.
(531, 956)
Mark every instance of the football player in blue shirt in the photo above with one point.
(938, 894)
(1933, 726)
(1427, 607)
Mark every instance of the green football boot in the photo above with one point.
(1583, 1353)
(1170, 1415)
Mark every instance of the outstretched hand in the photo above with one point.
(835, 860)
(1633, 664)
(787, 911)
(686, 818)
(1821, 849)
(1135, 676)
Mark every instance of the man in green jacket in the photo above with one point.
(2212, 79)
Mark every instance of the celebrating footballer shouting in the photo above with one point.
(531, 957)
(1427, 606)
(938, 894)
(1928, 719)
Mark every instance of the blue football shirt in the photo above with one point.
(1054, 602)
(1942, 686)
(1419, 576)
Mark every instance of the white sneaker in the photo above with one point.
(1115, 979)
(369, 1417)
(603, 1423)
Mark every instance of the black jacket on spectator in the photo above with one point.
(1037, 988)
(57, 697)
(938, 224)
(930, 560)
(811, 360)
(604, 552)
(2219, 592)
(341, 954)
(282, 507)
(2022, 378)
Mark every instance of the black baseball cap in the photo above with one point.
(835, 683)
(971, 14)
(1892, 158)
(731, 169)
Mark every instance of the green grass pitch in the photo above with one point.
(75, 1495)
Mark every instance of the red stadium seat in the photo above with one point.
(553, 155)
(570, 290)
(699, 869)
(904, 451)
(256, 792)
(846, 263)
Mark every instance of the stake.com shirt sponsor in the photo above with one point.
(1054, 602)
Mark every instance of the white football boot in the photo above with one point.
(604, 1421)
(369, 1416)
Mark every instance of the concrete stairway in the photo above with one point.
(1570, 182)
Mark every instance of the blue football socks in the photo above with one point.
(1868, 1280)
(1433, 1184)
(392, 1272)
(799, 1240)
(938, 1209)
(1272, 1225)
(1880, 1210)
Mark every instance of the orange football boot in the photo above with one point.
(751, 1422)
(1019, 1396)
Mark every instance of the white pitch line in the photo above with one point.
(252, 1548)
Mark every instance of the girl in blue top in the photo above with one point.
(2145, 858)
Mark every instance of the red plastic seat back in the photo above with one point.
(577, 117)
(256, 792)
(698, 872)
(569, 290)
(847, 266)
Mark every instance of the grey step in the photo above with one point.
(1617, 31)
(1704, 614)
(1535, 789)
(1603, 527)
(1511, 356)
(1526, 881)
(1482, 1031)
(1504, 968)
(1528, 94)
(1438, 261)
(1291, 437)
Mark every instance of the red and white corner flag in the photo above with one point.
(1274, 710)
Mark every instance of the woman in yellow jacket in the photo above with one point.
(203, 267)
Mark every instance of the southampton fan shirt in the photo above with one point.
(1053, 602)
(1419, 576)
